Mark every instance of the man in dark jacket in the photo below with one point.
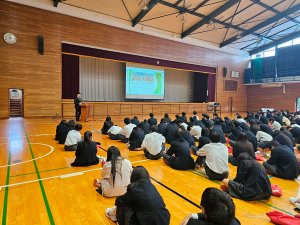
(152, 120)
(145, 126)
(77, 102)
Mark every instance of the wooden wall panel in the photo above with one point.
(259, 97)
(137, 109)
(147, 108)
(183, 108)
(175, 109)
(40, 75)
(114, 109)
(126, 109)
(100, 110)
(157, 109)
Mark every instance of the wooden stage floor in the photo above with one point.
(38, 185)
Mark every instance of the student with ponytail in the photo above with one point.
(115, 174)
(86, 153)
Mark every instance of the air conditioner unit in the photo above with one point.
(272, 85)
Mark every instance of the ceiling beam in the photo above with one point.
(200, 5)
(143, 13)
(262, 25)
(185, 10)
(210, 16)
(258, 2)
(274, 43)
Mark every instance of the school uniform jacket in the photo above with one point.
(251, 181)
(146, 202)
(202, 221)
(86, 154)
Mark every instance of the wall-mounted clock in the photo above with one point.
(10, 38)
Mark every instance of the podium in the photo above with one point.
(85, 112)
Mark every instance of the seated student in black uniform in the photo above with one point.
(167, 118)
(218, 129)
(282, 163)
(136, 139)
(65, 131)
(218, 209)
(183, 117)
(178, 155)
(135, 120)
(285, 131)
(295, 131)
(187, 136)
(171, 132)
(282, 139)
(152, 120)
(145, 126)
(251, 181)
(86, 153)
(106, 125)
(241, 145)
(141, 204)
(59, 128)
(162, 127)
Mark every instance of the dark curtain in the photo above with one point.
(200, 87)
(257, 68)
(211, 86)
(248, 76)
(70, 76)
(286, 58)
(269, 67)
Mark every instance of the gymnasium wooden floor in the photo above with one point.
(38, 185)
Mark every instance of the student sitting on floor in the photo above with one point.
(113, 132)
(251, 181)
(141, 204)
(171, 132)
(145, 126)
(167, 118)
(216, 161)
(86, 152)
(282, 139)
(115, 174)
(195, 131)
(282, 162)
(162, 127)
(183, 117)
(65, 131)
(218, 209)
(263, 138)
(178, 155)
(124, 134)
(107, 125)
(152, 120)
(188, 137)
(241, 145)
(203, 140)
(135, 120)
(73, 138)
(154, 144)
(59, 128)
(136, 139)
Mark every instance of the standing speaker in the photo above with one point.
(40, 44)
(224, 71)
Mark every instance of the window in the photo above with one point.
(296, 41)
(286, 44)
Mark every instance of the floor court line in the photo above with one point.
(47, 205)
(5, 203)
(31, 135)
(58, 176)
(14, 164)
(66, 167)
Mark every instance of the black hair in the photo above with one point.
(127, 120)
(236, 123)
(71, 123)
(166, 115)
(138, 174)
(195, 112)
(108, 119)
(154, 128)
(243, 143)
(214, 137)
(271, 144)
(63, 122)
(87, 137)
(243, 156)
(113, 154)
(178, 136)
(135, 117)
(271, 120)
(205, 132)
(78, 127)
(177, 116)
(218, 206)
(163, 120)
(151, 114)
(183, 113)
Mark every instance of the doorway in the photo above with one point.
(16, 102)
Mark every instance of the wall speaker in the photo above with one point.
(224, 71)
(40, 44)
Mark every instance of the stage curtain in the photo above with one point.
(211, 87)
(70, 76)
(200, 87)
